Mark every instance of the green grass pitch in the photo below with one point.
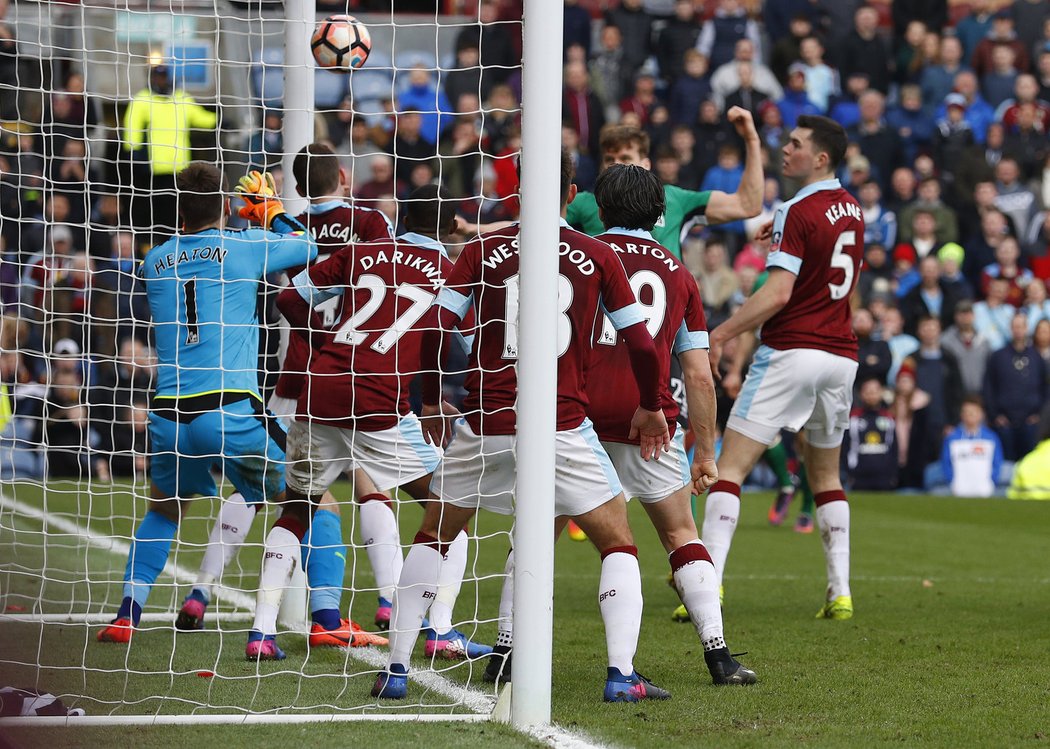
(949, 645)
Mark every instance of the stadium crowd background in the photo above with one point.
(947, 106)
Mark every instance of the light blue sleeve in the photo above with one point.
(466, 342)
(283, 251)
(687, 340)
(310, 293)
(454, 302)
(625, 317)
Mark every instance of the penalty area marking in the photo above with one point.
(480, 702)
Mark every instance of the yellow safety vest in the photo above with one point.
(1032, 475)
(164, 124)
(5, 407)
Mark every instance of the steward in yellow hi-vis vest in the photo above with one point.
(1032, 474)
(157, 127)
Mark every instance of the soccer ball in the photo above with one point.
(340, 43)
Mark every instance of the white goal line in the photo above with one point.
(87, 721)
(105, 618)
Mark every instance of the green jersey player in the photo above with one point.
(626, 144)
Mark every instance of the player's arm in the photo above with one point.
(758, 308)
(452, 306)
(649, 424)
(468, 229)
(733, 378)
(700, 397)
(436, 414)
(746, 202)
(263, 206)
(311, 287)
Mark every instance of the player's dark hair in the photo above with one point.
(431, 210)
(827, 136)
(200, 195)
(316, 170)
(568, 173)
(614, 137)
(629, 196)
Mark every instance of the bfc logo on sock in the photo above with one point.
(230, 528)
(274, 555)
(836, 529)
(607, 594)
(428, 594)
(728, 518)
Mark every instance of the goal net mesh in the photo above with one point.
(437, 99)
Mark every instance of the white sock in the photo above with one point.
(227, 535)
(697, 584)
(449, 582)
(720, 515)
(833, 522)
(413, 596)
(505, 636)
(383, 543)
(280, 557)
(620, 601)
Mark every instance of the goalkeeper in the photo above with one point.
(201, 285)
(626, 144)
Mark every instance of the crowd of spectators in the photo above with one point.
(947, 107)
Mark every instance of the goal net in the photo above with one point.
(85, 194)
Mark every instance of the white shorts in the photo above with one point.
(654, 480)
(795, 389)
(319, 453)
(478, 472)
(283, 408)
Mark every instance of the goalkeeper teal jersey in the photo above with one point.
(202, 290)
(681, 204)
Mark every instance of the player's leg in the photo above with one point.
(498, 669)
(779, 392)
(588, 490)
(231, 527)
(382, 541)
(174, 472)
(475, 472)
(824, 432)
(664, 488)
(400, 456)
(304, 535)
(443, 639)
(722, 509)
(416, 590)
(777, 459)
(833, 520)
(149, 552)
(227, 535)
(804, 521)
(619, 599)
(259, 473)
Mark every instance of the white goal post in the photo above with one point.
(537, 363)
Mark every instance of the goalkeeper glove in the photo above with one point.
(259, 194)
